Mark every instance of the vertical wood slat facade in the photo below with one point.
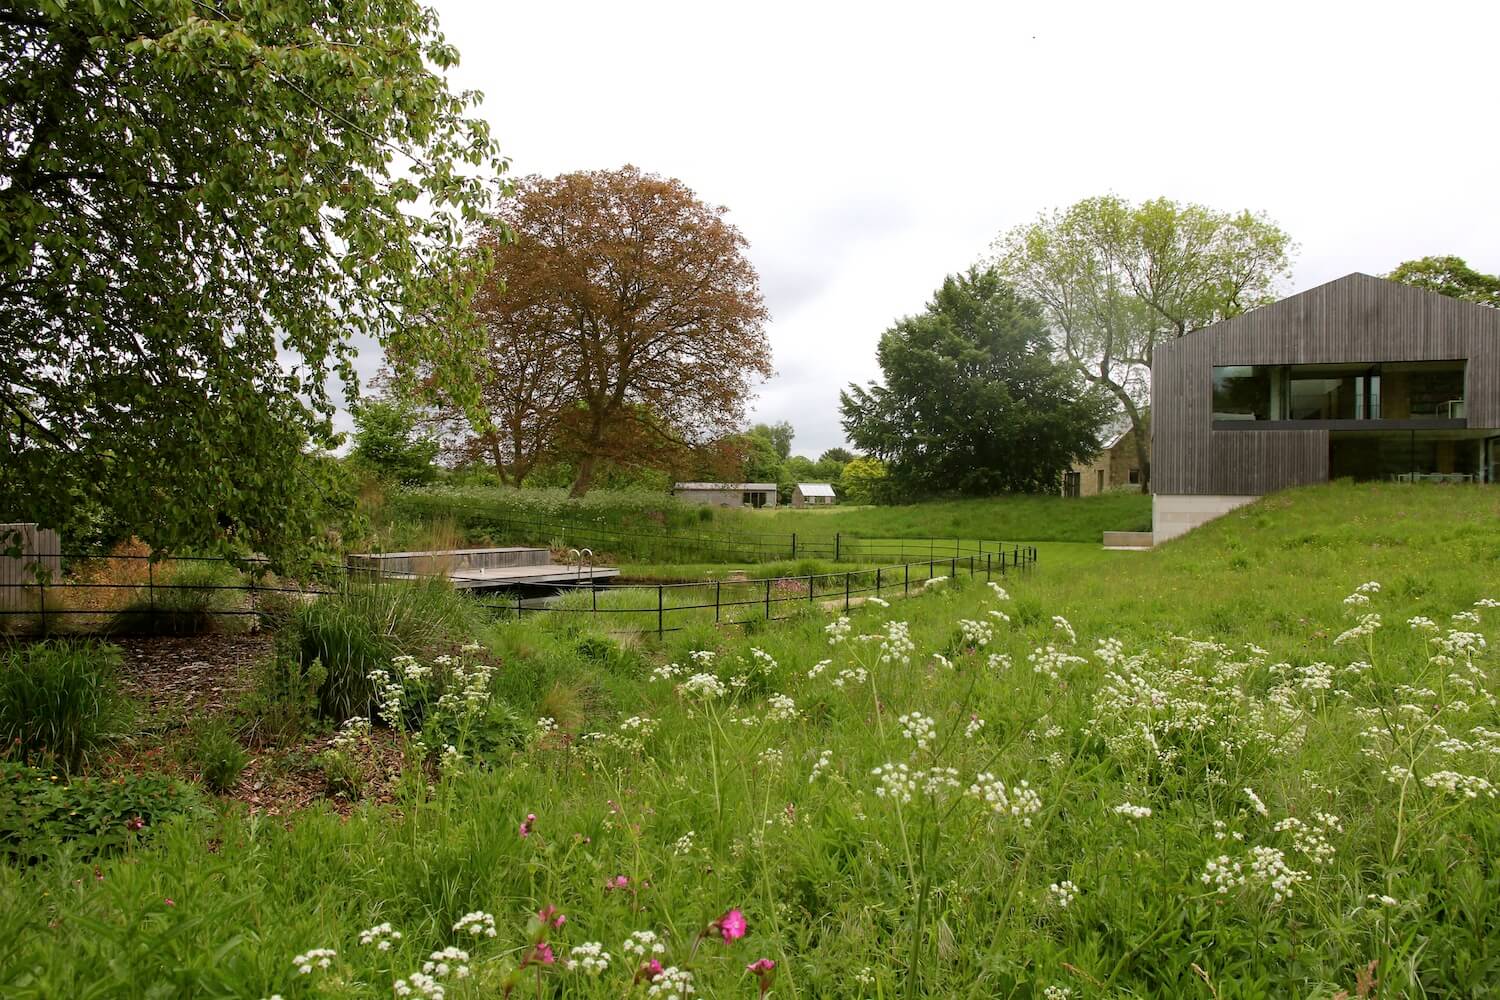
(1356, 318)
(41, 553)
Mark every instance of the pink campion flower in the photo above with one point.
(168, 901)
(540, 954)
(134, 823)
(731, 926)
(549, 915)
(526, 823)
(648, 971)
(764, 970)
(618, 882)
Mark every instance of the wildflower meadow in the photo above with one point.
(1261, 761)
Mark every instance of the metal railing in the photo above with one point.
(148, 596)
(683, 545)
(769, 596)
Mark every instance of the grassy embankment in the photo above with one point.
(643, 529)
(1214, 790)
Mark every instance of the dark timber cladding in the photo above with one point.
(1355, 318)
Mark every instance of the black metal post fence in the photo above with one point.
(768, 595)
(682, 545)
(141, 601)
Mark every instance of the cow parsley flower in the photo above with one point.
(476, 924)
(820, 765)
(781, 708)
(918, 727)
(1019, 801)
(382, 936)
(672, 982)
(1063, 893)
(642, 943)
(589, 957)
(705, 686)
(896, 782)
(1133, 811)
(320, 958)
(450, 960)
(838, 630)
(818, 668)
(999, 591)
(1064, 626)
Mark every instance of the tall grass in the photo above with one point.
(60, 702)
(186, 597)
(361, 627)
(1170, 777)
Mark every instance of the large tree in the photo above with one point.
(1450, 276)
(203, 207)
(644, 304)
(1116, 279)
(973, 400)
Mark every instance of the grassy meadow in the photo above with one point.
(651, 528)
(1258, 761)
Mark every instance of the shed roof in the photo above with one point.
(753, 487)
(816, 489)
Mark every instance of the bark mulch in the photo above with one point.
(179, 680)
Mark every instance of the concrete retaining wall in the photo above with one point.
(1177, 514)
(1128, 539)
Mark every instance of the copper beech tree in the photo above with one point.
(624, 323)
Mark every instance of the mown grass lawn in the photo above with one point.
(1196, 772)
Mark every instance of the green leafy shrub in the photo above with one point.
(60, 701)
(361, 628)
(196, 597)
(39, 811)
(213, 750)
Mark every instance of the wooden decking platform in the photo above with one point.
(480, 569)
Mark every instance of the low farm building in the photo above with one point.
(1117, 465)
(727, 494)
(813, 495)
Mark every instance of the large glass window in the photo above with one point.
(1243, 392)
(1333, 392)
(1411, 390)
(1439, 456)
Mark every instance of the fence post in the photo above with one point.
(953, 566)
(151, 590)
(837, 545)
(41, 582)
(660, 611)
(768, 598)
(794, 545)
(717, 585)
(988, 569)
(907, 568)
(846, 592)
(877, 581)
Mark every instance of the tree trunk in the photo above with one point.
(1142, 442)
(585, 477)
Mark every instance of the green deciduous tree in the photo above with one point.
(1116, 279)
(863, 480)
(390, 444)
(780, 435)
(1450, 276)
(204, 206)
(973, 400)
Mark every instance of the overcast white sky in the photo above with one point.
(867, 150)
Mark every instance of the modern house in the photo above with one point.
(813, 495)
(727, 494)
(1117, 464)
(1362, 378)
